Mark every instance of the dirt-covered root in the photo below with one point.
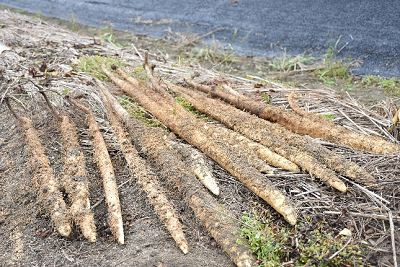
(186, 125)
(221, 133)
(197, 164)
(323, 155)
(130, 79)
(204, 206)
(233, 137)
(224, 231)
(261, 151)
(75, 180)
(237, 143)
(242, 123)
(226, 136)
(147, 181)
(160, 89)
(102, 159)
(44, 180)
(294, 106)
(266, 129)
(239, 167)
(311, 125)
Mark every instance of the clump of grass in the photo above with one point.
(74, 18)
(392, 85)
(288, 62)
(107, 35)
(139, 113)
(92, 64)
(307, 244)
(189, 107)
(217, 55)
(140, 73)
(214, 56)
(38, 14)
(334, 68)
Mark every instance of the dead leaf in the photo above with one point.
(233, 2)
(345, 232)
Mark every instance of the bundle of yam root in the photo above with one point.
(252, 136)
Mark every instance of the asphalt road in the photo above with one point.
(369, 30)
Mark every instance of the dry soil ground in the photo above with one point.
(27, 236)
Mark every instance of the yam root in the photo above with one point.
(74, 178)
(237, 143)
(102, 159)
(311, 125)
(198, 166)
(186, 125)
(261, 151)
(240, 144)
(140, 170)
(245, 124)
(205, 208)
(264, 129)
(43, 177)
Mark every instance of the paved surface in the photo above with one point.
(371, 29)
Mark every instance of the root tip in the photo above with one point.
(341, 187)
(215, 191)
(184, 248)
(64, 230)
(291, 218)
(92, 237)
(121, 240)
(295, 168)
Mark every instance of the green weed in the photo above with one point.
(213, 56)
(306, 244)
(92, 64)
(287, 62)
(328, 116)
(389, 83)
(334, 68)
(391, 86)
(139, 113)
(266, 97)
(379, 81)
(189, 107)
(371, 80)
(107, 35)
(74, 17)
(140, 73)
(38, 14)
(217, 56)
